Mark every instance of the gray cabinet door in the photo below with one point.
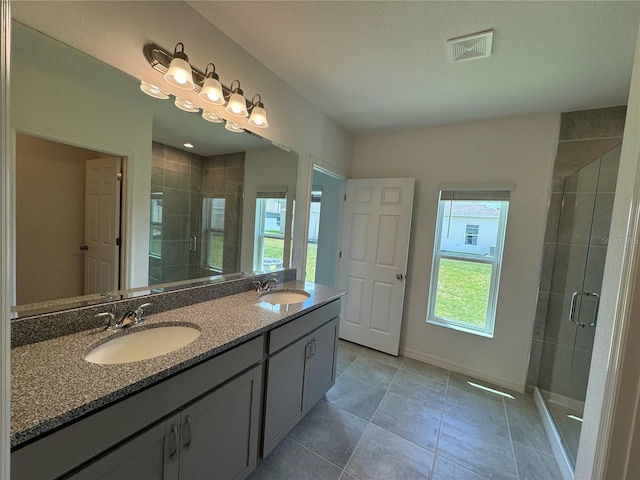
(219, 433)
(321, 365)
(284, 404)
(147, 456)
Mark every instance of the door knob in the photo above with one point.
(399, 276)
(84, 247)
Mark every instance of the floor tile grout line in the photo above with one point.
(372, 416)
(513, 451)
(315, 453)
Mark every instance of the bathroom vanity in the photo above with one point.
(212, 408)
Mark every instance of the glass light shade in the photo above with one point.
(180, 74)
(233, 127)
(258, 117)
(153, 91)
(211, 117)
(212, 91)
(186, 105)
(237, 105)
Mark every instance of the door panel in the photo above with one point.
(102, 224)
(375, 243)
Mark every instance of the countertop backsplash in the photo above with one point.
(41, 327)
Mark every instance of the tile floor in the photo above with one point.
(397, 418)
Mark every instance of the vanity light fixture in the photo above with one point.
(237, 103)
(179, 73)
(186, 105)
(211, 117)
(211, 87)
(233, 127)
(258, 116)
(153, 91)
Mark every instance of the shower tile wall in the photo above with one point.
(182, 179)
(584, 137)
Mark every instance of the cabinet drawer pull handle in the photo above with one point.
(313, 347)
(187, 429)
(174, 436)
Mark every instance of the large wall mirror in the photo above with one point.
(109, 198)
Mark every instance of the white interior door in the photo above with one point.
(102, 225)
(373, 263)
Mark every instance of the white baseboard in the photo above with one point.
(463, 369)
(564, 464)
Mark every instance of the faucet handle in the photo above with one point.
(137, 313)
(111, 321)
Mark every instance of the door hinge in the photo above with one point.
(118, 241)
(340, 254)
(119, 176)
(345, 197)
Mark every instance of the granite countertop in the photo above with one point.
(52, 384)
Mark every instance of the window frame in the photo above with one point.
(496, 261)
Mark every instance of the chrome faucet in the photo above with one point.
(134, 317)
(131, 317)
(264, 286)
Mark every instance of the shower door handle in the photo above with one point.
(572, 310)
(595, 310)
(193, 243)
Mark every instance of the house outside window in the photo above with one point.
(467, 258)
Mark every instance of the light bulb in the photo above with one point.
(179, 73)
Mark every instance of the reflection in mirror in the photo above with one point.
(222, 207)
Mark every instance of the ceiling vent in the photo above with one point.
(470, 47)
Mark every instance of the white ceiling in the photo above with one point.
(373, 65)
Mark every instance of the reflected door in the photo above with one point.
(578, 269)
(102, 225)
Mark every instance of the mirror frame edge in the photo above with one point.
(6, 221)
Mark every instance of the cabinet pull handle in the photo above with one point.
(313, 346)
(187, 429)
(174, 435)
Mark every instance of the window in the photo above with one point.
(467, 256)
(155, 230)
(213, 212)
(314, 231)
(471, 235)
(271, 209)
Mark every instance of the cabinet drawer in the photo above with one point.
(298, 328)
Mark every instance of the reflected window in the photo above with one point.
(271, 210)
(213, 212)
(155, 230)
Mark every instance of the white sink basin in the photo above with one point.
(284, 297)
(143, 344)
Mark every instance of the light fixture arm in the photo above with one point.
(212, 73)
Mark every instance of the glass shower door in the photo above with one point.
(576, 282)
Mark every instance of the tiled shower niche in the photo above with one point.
(196, 207)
